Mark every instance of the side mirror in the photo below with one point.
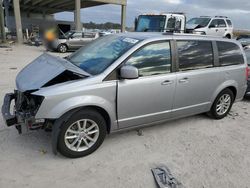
(129, 72)
(212, 26)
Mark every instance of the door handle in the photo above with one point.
(167, 82)
(216, 30)
(184, 80)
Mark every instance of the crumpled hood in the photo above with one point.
(42, 70)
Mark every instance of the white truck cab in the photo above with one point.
(164, 22)
(216, 26)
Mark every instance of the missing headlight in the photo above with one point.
(27, 104)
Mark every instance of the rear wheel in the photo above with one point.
(222, 104)
(62, 48)
(82, 134)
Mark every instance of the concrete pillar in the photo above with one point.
(123, 18)
(2, 29)
(77, 14)
(7, 14)
(19, 30)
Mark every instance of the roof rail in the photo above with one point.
(196, 35)
(221, 17)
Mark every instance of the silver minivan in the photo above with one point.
(126, 81)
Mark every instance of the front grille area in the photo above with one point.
(27, 104)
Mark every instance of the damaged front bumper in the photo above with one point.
(10, 119)
(23, 115)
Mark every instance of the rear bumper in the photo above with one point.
(10, 119)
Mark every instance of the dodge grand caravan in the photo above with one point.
(125, 81)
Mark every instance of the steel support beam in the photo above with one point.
(19, 30)
(77, 18)
(123, 18)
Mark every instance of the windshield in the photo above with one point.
(68, 34)
(95, 57)
(151, 23)
(202, 22)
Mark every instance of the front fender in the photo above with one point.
(48, 110)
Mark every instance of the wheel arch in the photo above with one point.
(230, 84)
(228, 35)
(100, 110)
(58, 122)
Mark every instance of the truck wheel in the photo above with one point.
(228, 36)
(62, 48)
(222, 104)
(82, 134)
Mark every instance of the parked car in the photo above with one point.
(247, 51)
(216, 26)
(72, 40)
(244, 40)
(126, 81)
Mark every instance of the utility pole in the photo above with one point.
(2, 28)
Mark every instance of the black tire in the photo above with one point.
(82, 114)
(213, 112)
(228, 36)
(62, 48)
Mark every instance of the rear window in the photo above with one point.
(195, 55)
(229, 54)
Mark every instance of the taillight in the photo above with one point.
(247, 72)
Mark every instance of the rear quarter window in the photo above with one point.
(195, 55)
(229, 54)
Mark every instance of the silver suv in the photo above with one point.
(126, 81)
(72, 40)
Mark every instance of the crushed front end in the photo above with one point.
(24, 110)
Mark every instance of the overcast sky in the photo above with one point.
(237, 10)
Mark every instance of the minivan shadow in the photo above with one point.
(39, 142)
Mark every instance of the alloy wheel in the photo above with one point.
(81, 135)
(223, 104)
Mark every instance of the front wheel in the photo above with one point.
(222, 104)
(82, 134)
(62, 48)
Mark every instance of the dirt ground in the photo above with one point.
(199, 151)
